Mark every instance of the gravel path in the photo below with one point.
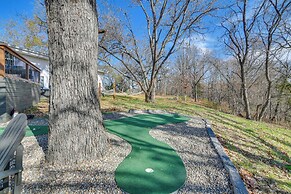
(96, 177)
(205, 172)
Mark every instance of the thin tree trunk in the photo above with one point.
(278, 101)
(246, 103)
(267, 75)
(150, 94)
(276, 110)
(267, 102)
(76, 132)
(245, 93)
(195, 93)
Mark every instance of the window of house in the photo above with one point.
(33, 74)
(42, 81)
(14, 66)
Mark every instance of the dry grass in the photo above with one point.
(41, 110)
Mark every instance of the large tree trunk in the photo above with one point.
(76, 132)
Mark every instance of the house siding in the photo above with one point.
(18, 94)
(2, 96)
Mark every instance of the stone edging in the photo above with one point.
(238, 185)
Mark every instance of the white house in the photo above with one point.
(41, 60)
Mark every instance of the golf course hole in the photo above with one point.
(152, 166)
(149, 170)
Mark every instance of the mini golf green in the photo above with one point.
(32, 130)
(152, 166)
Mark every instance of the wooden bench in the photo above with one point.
(11, 154)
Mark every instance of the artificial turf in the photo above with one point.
(152, 166)
(32, 130)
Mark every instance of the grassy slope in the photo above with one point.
(260, 151)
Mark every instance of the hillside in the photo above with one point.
(260, 151)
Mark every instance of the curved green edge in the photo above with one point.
(169, 172)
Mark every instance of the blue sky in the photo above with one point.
(210, 40)
(11, 9)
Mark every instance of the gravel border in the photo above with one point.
(237, 183)
(205, 171)
(96, 177)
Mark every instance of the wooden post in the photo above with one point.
(27, 71)
(2, 61)
(114, 90)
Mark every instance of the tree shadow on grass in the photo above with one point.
(278, 159)
(114, 115)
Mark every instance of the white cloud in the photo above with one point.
(205, 42)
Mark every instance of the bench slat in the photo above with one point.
(10, 172)
(13, 122)
(11, 138)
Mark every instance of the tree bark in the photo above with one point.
(196, 92)
(150, 94)
(245, 92)
(276, 111)
(267, 102)
(267, 75)
(246, 102)
(76, 132)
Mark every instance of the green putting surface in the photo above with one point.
(32, 130)
(152, 166)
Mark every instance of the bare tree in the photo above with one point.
(191, 65)
(283, 90)
(167, 22)
(274, 13)
(76, 132)
(183, 73)
(199, 68)
(239, 27)
(29, 32)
